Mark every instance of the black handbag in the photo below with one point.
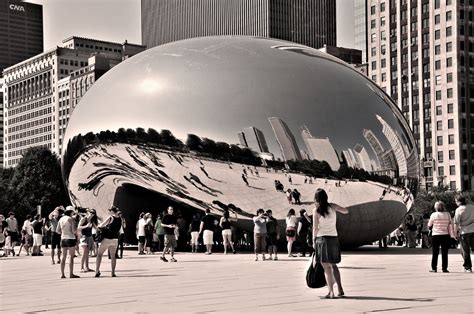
(315, 274)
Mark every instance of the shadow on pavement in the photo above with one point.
(369, 298)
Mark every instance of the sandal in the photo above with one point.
(329, 296)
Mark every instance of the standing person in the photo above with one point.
(326, 244)
(411, 228)
(54, 217)
(441, 222)
(169, 223)
(296, 196)
(260, 233)
(289, 196)
(272, 235)
(67, 230)
(121, 237)
(290, 230)
(208, 225)
(303, 231)
(290, 180)
(3, 227)
(464, 223)
(37, 226)
(27, 235)
(148, 232)
(425, 240)
(141, 235)
(86, 241)
(160, 232)
(109, 243)
(12, 234)
(224, 223)
(194, 231)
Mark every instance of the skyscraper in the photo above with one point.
(363, 156)
(254, 139)
(420, 53)
(396, 146)
(360, 27)
(38, 97)
(320, 149)
(307, 22)
(374, 144)
(21, 31)
(286, 140)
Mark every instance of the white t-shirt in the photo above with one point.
(28, 227)
(141, 227)
(291, 221)
(65, 228)
(327, 224)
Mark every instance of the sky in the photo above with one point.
(119, 20)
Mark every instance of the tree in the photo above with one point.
(6, 175)
(193, 142)
(169, 139)
(153, 136)
(37, 181)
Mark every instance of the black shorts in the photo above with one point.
(271, 239)
(68, 243)
(141, 239)
(55, 240)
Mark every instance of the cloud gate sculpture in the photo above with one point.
(235, 122)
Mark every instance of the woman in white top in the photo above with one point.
(441, 222)
(68, 231)
(326, 243)
(291, 222)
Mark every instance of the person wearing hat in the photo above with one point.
(54, 217)
(112, 224)
(86, 241)
(67, 229)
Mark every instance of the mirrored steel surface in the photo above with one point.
(255, 107)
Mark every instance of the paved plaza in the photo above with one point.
(396, 279)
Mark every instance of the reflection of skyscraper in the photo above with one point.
(286, 140)
(396, 146)
(363, 157)
(374, 144)
(351, 162)
(242, 140)
(320, 149)
(254, 139)
(388, 160)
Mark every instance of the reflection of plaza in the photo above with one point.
(206, 183)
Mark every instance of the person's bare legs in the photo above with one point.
(99, 259)
(72, 251)
(85, 258)
(290, 246)
(337, 277)
(63, 262)
(113, 259)
(52, 254)
(328, 272)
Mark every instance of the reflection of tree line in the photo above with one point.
(204, 147)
